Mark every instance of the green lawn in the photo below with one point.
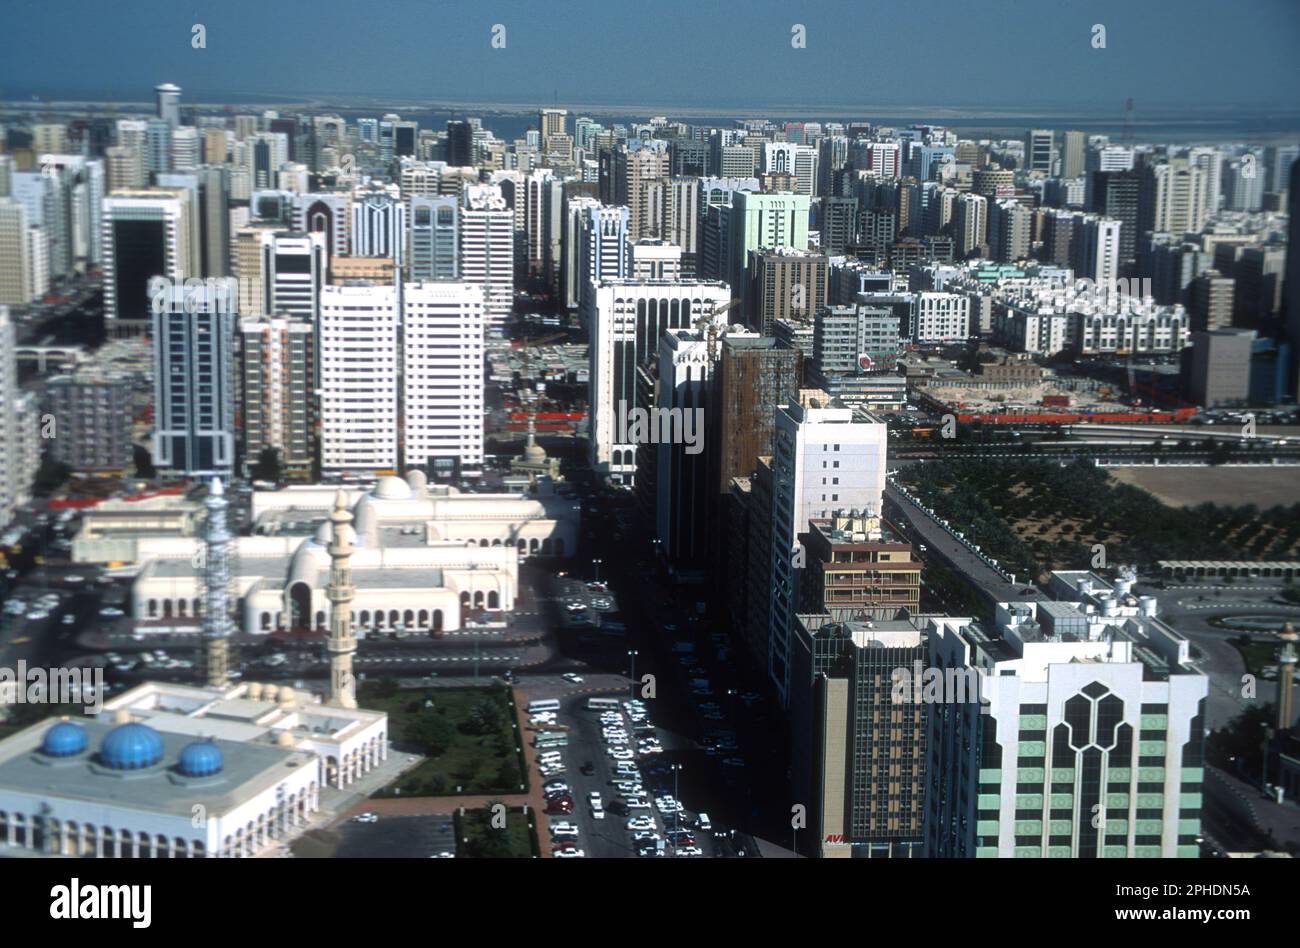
(467, 735)
(476, 838)
(1256, 653)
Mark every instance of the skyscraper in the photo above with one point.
(194, 386)
(358, 339)
(442, 378)
(147, 233)
(487, 251)
(169, 103)
(278, 381)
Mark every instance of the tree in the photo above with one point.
(267, 467)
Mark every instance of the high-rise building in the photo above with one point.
(826, 458)
(625, 320)
(487, 251)
(1219, 373)
(169, 103)
(634, 177)
(147, 233)
(1011, 226)
(788, 283)
(1074, 728)
(460, 144)
(1209, 301)
(92, 418)
(1243, 183)
(1039, 151)
(292, 272)
(358, 345)
(857, 756)
(754, 376)
(604, 248)
(970, 226)
(194, 385)
(1096, 248)
(442, 378)
(762, 222)
(435, 241)
(278, 357)
(379, 223)
(1173, 198)
(19, 449)
(17, 285)
(1072, 152)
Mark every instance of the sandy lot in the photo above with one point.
(1189, 486)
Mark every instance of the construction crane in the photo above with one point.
(707, 323)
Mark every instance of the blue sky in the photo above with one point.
(992, 53)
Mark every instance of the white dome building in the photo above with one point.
(426, 557)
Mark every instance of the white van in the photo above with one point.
(545, 704)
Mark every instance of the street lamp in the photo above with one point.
(631, 654)
(596, 564)
(677, 814)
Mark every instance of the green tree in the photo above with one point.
(50, 475)
(143, 461)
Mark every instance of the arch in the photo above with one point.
(320, 618)
(266, 621)
(167, 608)
(379, 618)
(493, 599)
(408, 618)
(523, 546)
(533, 545)
(182, 606)
(198, 606)
(422, 619)
(299, 605)
(437, 620)
(478, 599)
(153, 608)
(393, 617)
(365, 617)
(464, 599)
(496, 542)
(483, 544)
(546, 547)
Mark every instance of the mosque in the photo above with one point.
(181, 771)
(426, 556)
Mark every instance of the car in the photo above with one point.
(69, 619)
(568, 852)
(636, 802)
(560, 806)
(626, 786)
(640, 823)
(111, 612)
(587, 769)
(564, 831)
(366, 818)
(555, 785)
(645, 836)
(37, 615)
(572, 678)
(688, 851)
(621, 753)
(650, 851)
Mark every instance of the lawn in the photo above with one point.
(477, 838)
(466, 734)
(1256, 652)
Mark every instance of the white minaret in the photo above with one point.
(217, 626)
(342, 644)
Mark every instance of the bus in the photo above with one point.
(547, 739)
(544, 704)
(603, 704)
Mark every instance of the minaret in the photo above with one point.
(1286, 660)
(217, 626)
(342, 644)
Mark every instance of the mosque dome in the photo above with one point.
(65, 739)
(417, 480)
(200, 759)
(324, 533)
(392, 488)
(131, 747)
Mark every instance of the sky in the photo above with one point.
(995, 54)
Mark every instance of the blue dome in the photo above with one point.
(131, 747)
(200, 759)
(65, 739)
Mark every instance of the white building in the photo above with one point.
(250, 759)
(626, 319)
(487, 254)
(826, 458)
(358, 338)
(941, 317)
(442, 385)
(426, 557)
(146, 233)
(1078, 731)
(379, 223)
(18, 439)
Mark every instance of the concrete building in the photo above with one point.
(92, 422)
(1076, 729)
(826, 458)
(278, 402)
(147, 233)
(442, 378)
(786, 283)
(1220, 367)
(194, 384)
(487, 251)
(357, 341)
(626, 319)
(762, 222)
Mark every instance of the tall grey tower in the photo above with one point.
(169, 103)
(217, 625)
(341, 642)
